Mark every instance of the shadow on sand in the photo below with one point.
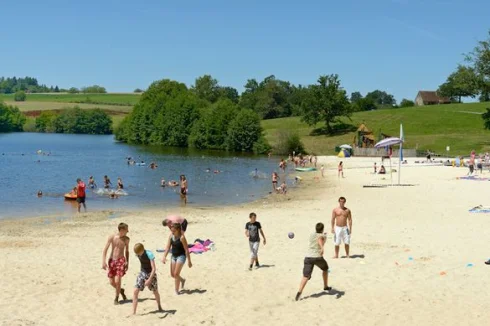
(333, 292)
(195, 291)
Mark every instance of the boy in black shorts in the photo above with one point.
(147, 276)
(313, 258)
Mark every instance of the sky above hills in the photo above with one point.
(399, 46)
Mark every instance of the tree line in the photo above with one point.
(12, 85)
(11, 119)
(171, 114)
(74, 121)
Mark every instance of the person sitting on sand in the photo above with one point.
(382, 169)
(118, 263)
(284, 188)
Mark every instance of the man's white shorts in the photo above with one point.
(341, 235)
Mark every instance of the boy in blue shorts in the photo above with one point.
(147, 276)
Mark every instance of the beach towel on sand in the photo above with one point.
(198, 247)
(480, 209)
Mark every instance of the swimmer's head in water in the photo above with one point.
(39, 193)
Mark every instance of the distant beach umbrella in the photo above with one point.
(388, 142)
(346, 146)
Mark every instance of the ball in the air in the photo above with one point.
(291, 235)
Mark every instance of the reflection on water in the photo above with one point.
(52, 162)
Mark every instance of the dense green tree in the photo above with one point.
(355, 96)
(138, 90)
(164, 115)
(479, 59)
(244, 131)
(73, 90)
(462, 83)
(211, 130)
(381, 98)
(486, 119)
(20, 96)
(11, 119)
(406, 103)
(271, 98)
(44, 122)
(229, 93)
(364, 104)
(326, 101)
(56, 89)
(75, 121)
(206, 88)
(94, 89)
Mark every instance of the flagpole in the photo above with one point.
(400, 154)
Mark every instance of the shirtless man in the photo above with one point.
(118, 264)
(340, 217)
(171, 219)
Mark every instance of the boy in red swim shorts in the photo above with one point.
(119, 259)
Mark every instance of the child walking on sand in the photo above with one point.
(180, 253)
(119, 259)
(252, 230)
(147, 276)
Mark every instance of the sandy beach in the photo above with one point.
(412, 249)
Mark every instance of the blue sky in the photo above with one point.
(399, 46)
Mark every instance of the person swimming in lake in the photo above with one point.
(39, 193)
(91, 182)
(183, 188)
(173, 183)
(162, 183)
(153, 165)
(107, 182)
(120, 185)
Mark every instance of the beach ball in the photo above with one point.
(291, 235)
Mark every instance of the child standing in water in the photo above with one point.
(120, 185)
(183, 188)
(180, 253)
(107, 182)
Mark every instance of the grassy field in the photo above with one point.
(125, 99)
(459, 126)
(116, 104)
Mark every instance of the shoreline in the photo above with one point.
(411, 247)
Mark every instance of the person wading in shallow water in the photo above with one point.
(81, 194)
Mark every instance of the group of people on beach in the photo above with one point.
(118, 263)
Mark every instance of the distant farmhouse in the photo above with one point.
(430, 98)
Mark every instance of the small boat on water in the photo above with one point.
(70, 196)
(305, 169)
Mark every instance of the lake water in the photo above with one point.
(23, 172)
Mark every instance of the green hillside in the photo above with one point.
(126, 99)
(428, 127)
